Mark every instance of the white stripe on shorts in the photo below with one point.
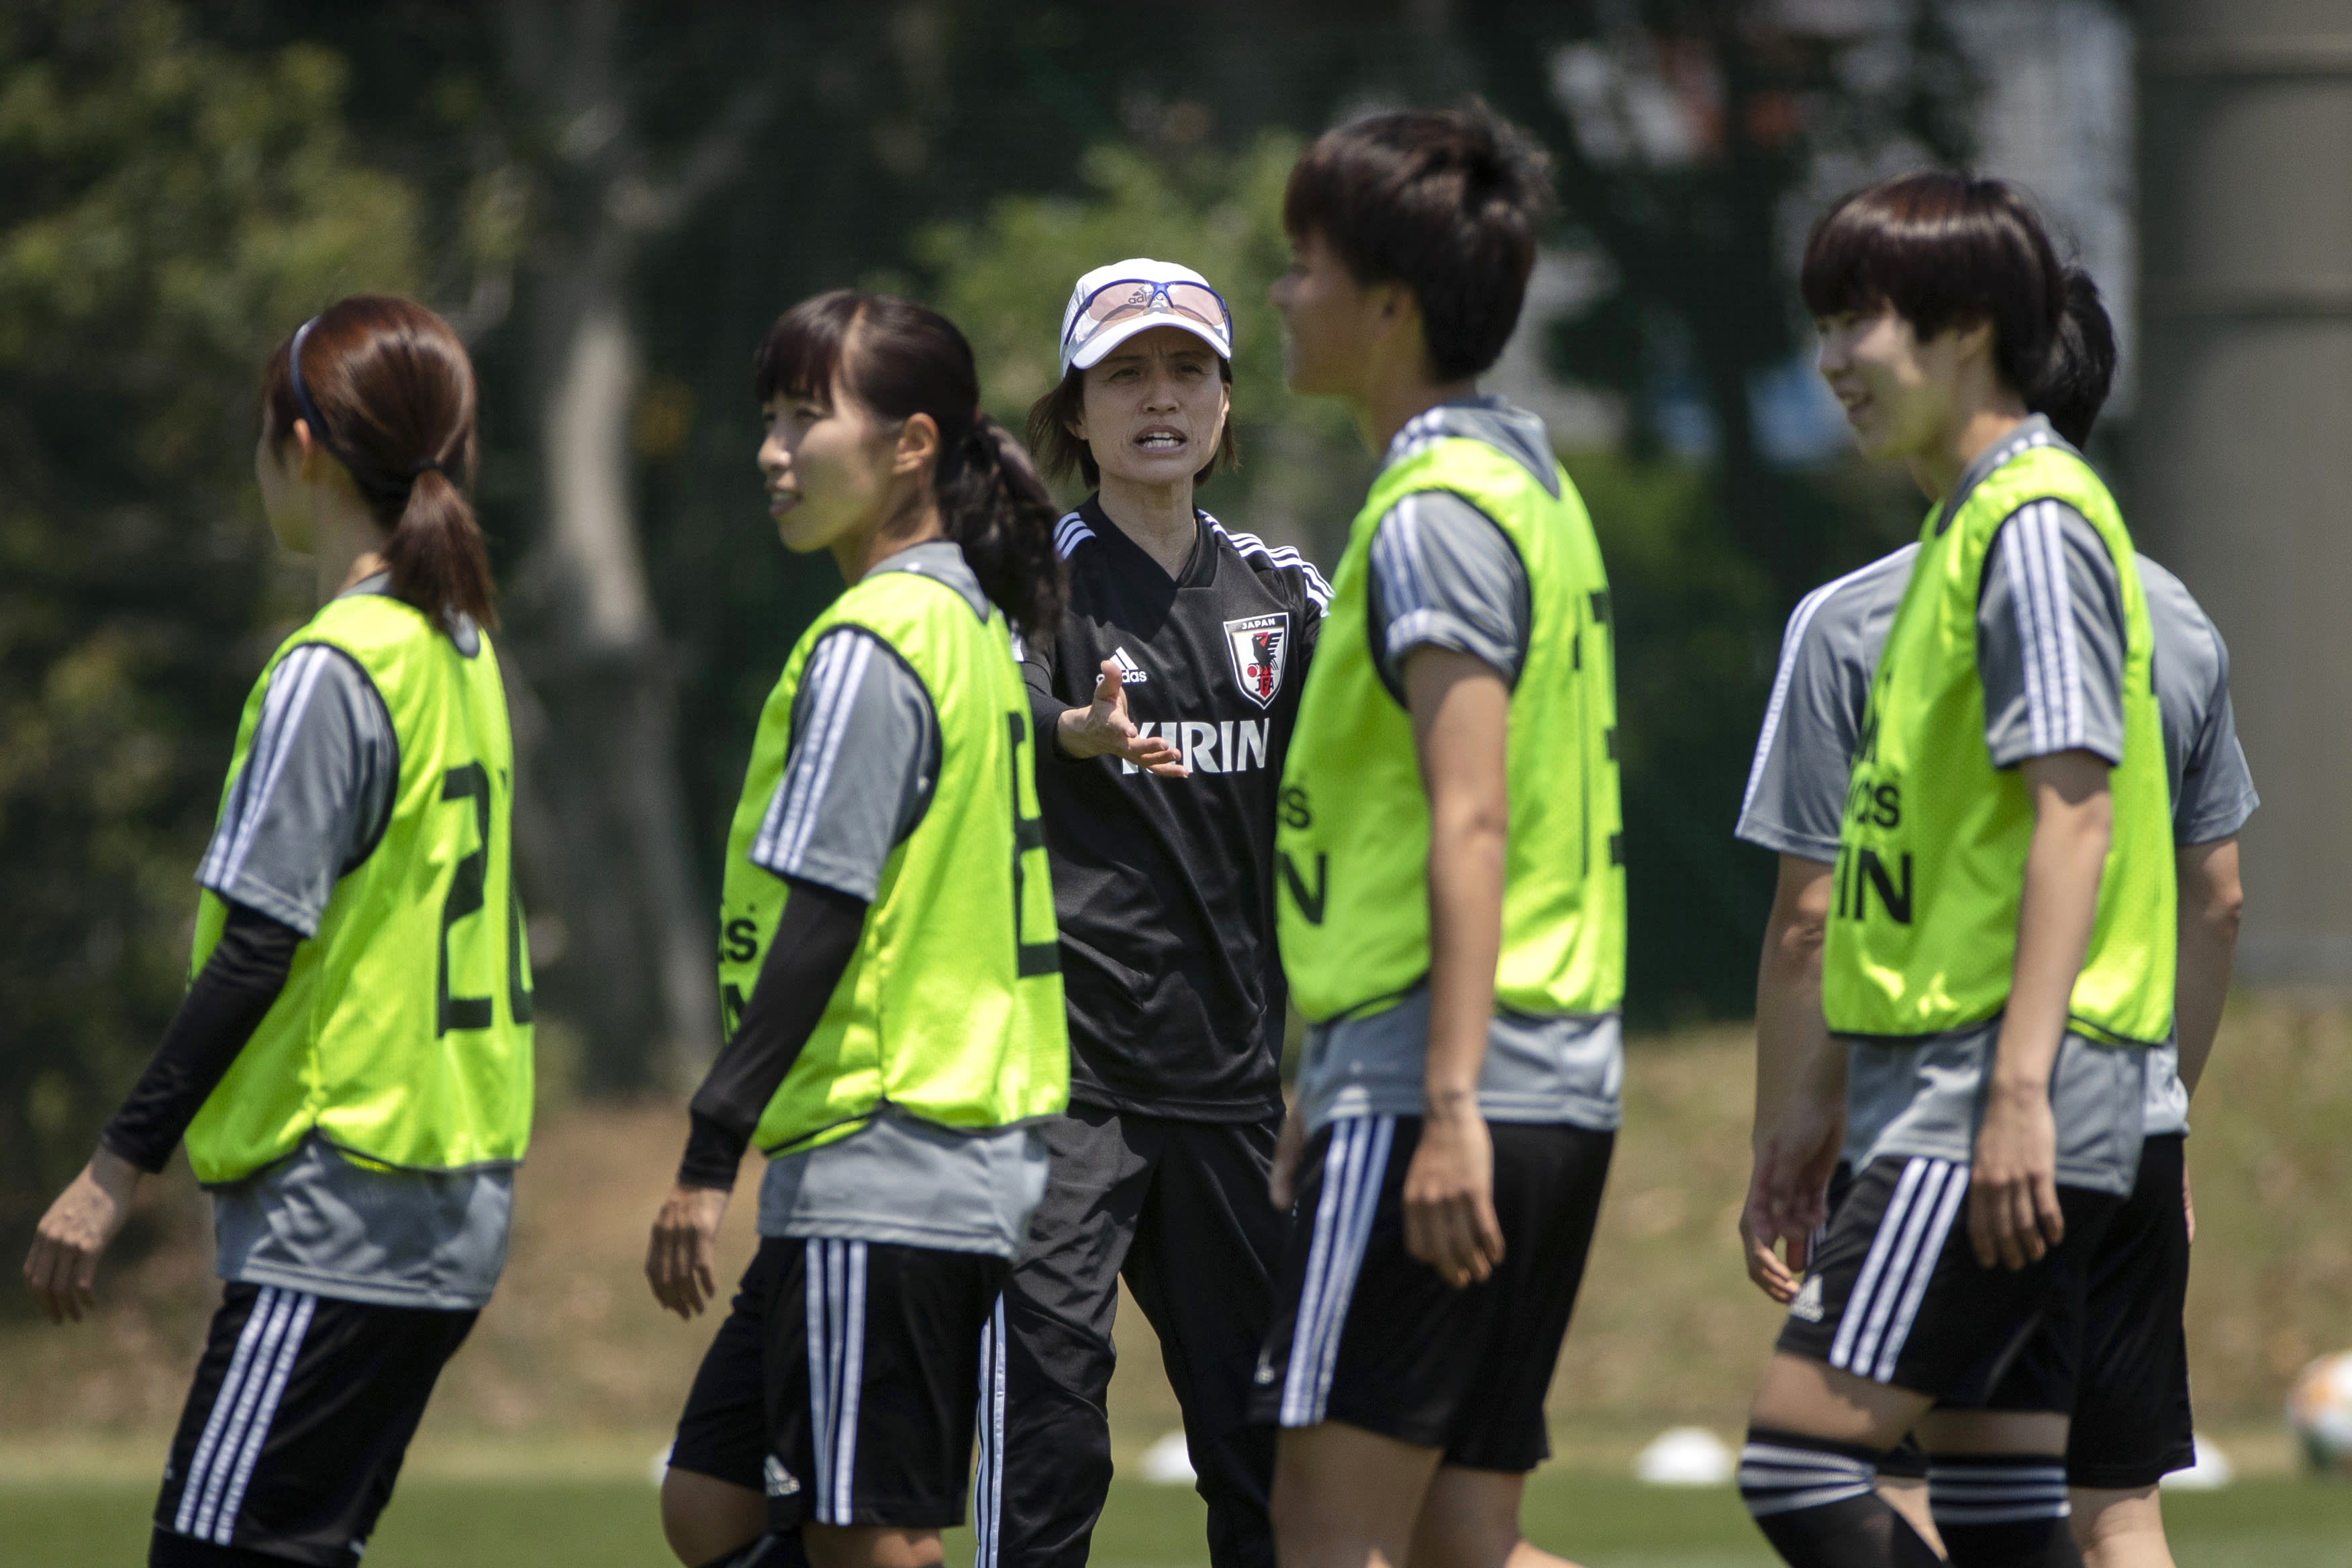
(263, 1384)
(1873, 1264)
(258, 1431)
(1353, 1167)
(836, 1359)
(988, 1476)
(248, 1340)
(1955, 1188)
(1875, 1322)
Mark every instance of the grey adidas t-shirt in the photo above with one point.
(1796, 788)
(313, 798)
(1443, 574)
(864, 761)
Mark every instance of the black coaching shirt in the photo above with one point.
(1164, 886)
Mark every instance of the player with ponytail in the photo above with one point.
(351, 1069)
(888, 964)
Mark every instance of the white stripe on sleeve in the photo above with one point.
(838, 670)
(1791, 641)
(290, 686)
(1069, 533)
(1280, 556)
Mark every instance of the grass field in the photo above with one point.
(536, 1445)
(1602, 1523)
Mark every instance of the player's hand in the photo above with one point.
(1759, 1232)
(2189, 1205)
(682, 1259)
(1282, 1182)
(1795, 1158)
(2013, 1214)
(1102, 728)
(1449, 1197)
(62, 1267)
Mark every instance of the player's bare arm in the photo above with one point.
(1460, 711)
(1799, 1083)
(2013, 1215)
(2212, 899)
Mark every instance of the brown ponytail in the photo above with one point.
(388, 391)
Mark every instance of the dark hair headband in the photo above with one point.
(382, 486)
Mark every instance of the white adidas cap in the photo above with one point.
(1102, 314)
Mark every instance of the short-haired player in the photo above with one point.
(2131, 1418)
(1452, 892)
(1999, 954)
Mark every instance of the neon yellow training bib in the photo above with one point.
(1351, 837)
(404, 1034)
(1931, 855)
(950, 1010)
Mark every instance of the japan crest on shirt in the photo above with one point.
(1261, 649)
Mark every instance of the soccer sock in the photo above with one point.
(169, 1549)
(2002, 1510)
(782, 1550)
(1817, 1503)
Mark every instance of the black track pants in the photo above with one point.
(1181, 1209)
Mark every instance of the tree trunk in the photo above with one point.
(632, 973)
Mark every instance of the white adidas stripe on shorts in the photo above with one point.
(1353, 1167)
(213, 1490)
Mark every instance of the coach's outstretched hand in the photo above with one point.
(682, 1259)
(62, 1267)
(1449, 1197)
(1103, 728)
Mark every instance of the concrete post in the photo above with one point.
(2242, 476)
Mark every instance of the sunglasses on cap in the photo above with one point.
(1124, 299)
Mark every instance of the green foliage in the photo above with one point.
(1692, 612)
(1006, 278)
(168, 210)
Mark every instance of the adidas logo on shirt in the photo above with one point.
(1129, 672)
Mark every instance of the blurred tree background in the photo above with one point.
(612, 200)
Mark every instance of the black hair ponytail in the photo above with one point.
(387, 390)
(2082, 366)
(902, 359)
(994, 504)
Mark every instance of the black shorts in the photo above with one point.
(301, 1410)
(2131, 1416)
(844, 1383)
(1906, 1461)
(1896, 1294)
(1363, 1333)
